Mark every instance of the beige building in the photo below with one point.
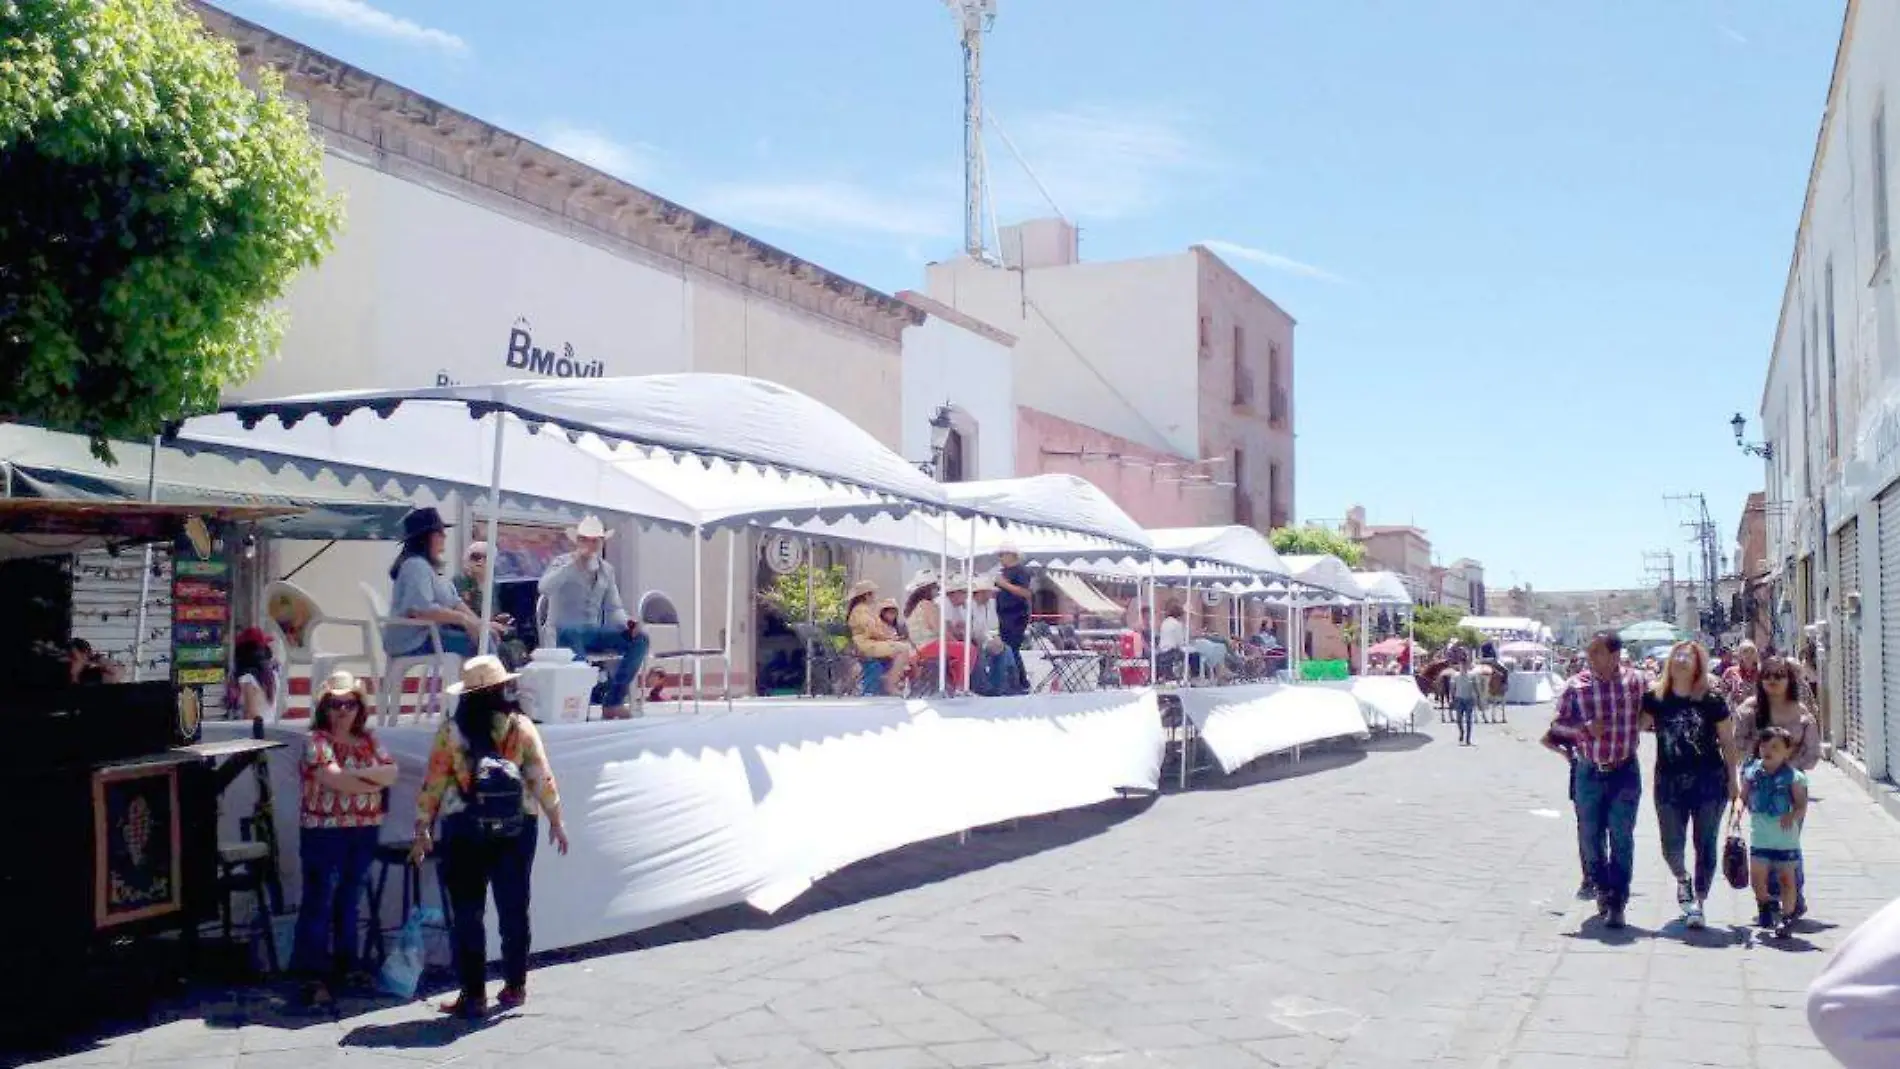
(1167, 380)
(473, 254)
(1401, 549)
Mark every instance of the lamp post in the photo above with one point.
(1764, 450)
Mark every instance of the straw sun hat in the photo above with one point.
(863, 588)
(482, 673)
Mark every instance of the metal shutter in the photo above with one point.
(1847, 571)
(1890, 624)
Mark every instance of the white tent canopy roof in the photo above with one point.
(1508, 627)
(1326, 572)
(758, 448)
(1383, 588)
(1065, 503)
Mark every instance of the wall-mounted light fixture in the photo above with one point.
(1764, 450)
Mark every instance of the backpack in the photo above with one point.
(495, 795)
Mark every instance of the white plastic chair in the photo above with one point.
(658, 610)
(437, 666)
(292, 618)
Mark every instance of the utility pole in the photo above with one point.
(1708, 543)
(1660, 566)
(974, 18)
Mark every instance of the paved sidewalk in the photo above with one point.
(1409, 905)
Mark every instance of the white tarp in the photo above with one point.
(1383, 588)
(1391, 702)
(749, 440)
(1242, 724)
(1528, 687)
(674, 816)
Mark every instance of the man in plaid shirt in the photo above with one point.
(1600, 712)
(1738, 682)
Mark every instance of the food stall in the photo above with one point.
(121, 847)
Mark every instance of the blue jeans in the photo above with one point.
(471, 865)
(1464, 706)
(995, 674)
(631, 648)
(1606, 806)
(335, 865)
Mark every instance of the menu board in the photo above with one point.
(201, 617)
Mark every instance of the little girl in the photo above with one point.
(1776, 793)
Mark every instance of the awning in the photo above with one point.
(50, 465)
(32, 527)
(1085, 596)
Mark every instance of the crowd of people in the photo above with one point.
(1733, 739)
(975, 628)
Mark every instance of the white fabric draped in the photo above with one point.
(1242, 724)
(674, 816)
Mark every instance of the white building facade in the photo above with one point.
(1830, 410)
(471, 254)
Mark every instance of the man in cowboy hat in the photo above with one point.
(587, 615)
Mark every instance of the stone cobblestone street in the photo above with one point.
(1405, 905)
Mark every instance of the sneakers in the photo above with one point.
(511, 998)
(1587, 890)
(1765, 914)
(1784, 927)
(1685, 895)
(465, 1008)
(1615, 921)
(1692, 916)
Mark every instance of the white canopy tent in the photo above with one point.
(762, 450)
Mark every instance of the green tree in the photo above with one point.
(153, 206)
(1435, 626)
(1317, 541)
(786, 597)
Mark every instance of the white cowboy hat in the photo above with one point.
(482, 673)
(590, 527)
(922, 579)
(983, 582)
(341, 685)
(956, 585)
(1008, 548)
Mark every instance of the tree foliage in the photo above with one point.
(1317, 541)
(152, 207)
(786, 597)
(1435, 626)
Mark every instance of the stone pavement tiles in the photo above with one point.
(1407, 904)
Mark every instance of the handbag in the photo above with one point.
(1735, 852)
(402, 969)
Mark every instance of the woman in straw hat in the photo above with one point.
(488, 780)
(344, 772)
(874, 639)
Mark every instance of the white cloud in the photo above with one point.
(1096, 162)
(362, 18)
(826, 207)
(1272, 260)
(629, 160)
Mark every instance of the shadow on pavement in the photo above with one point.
(1280, 767)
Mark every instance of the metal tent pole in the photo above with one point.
(487, 638)
(699, 614)
(943, 645)
(811, 613)
(145, 576)
(732, 578)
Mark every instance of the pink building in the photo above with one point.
(1165, 380)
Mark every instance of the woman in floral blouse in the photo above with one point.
(481, 848)
(344, 772)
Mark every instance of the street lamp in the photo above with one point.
(940, 427)
(1764, 450)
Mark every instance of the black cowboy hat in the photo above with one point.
(421, 522)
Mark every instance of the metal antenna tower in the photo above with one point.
(1709, 544)
(974, 19)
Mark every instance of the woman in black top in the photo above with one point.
(1695, 768)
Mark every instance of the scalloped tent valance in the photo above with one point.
(772, 453)
(1383, 588)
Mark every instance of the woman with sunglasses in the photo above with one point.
(1695, 769)
(344, 772)
(1777, 703)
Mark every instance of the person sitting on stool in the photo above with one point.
(586, 613)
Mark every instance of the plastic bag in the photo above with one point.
(1735, 853)
(402, 968)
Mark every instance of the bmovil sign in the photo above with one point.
(524, 359)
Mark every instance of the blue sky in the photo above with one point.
(1536, 248)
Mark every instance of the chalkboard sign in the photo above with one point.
(138, 848)
(201, 620)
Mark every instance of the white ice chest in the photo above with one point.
(554, 687)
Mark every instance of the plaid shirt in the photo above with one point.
(1615, 703)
